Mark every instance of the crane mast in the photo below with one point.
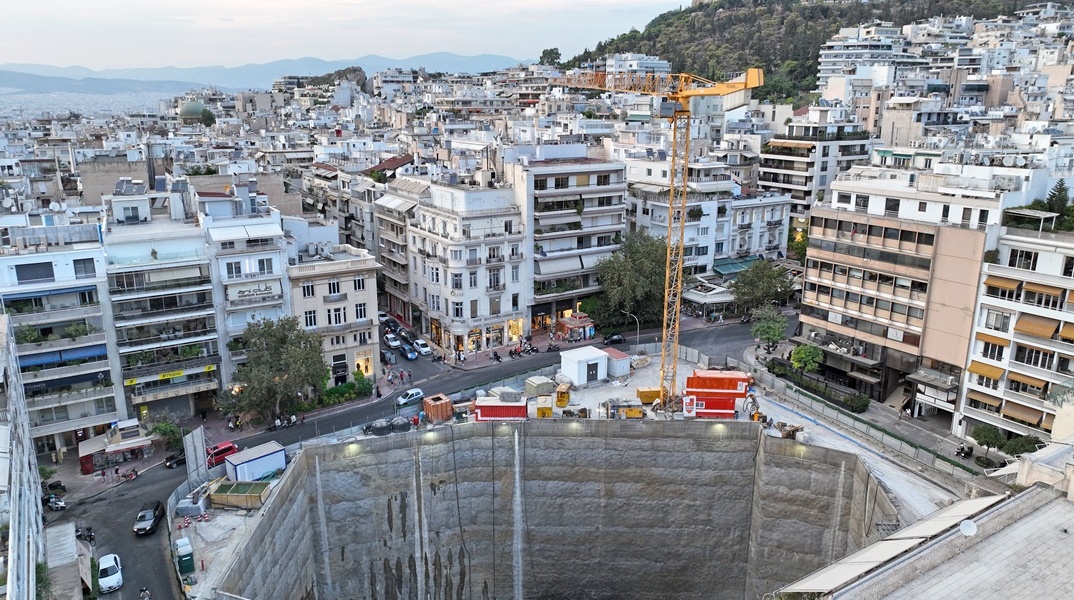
(678, 89)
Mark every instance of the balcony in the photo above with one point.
(173, 390)
(141, 313)
(494, 259)
(256, 300)
(341, 327)
(342, 297)
(772, 246)
(79, 369)
(514, 257)
(71, 424)
(59, 398)
(154, 339)
(57, 314)
(774, 222)
(248, 248)
(495, 287)
(92, 338)
(170, 366)
(473, 262)
(745, 226)
(171, 284)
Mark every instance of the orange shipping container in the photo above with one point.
(438, 409)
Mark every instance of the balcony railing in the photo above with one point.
(92, 338)
(340, 297)
(745, 226)
(774, 222)
(159, 337)
(496, 287)
(56, 314)
(473, 262)
(78, 369)
(255, 300)
(160, 285)
(494, 259)
(167, 367)
(173, 390)
(72, 424)
(515, 256)
(140, 313)
(59, 398)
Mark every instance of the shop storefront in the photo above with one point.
(493, 336)
(473, 340)
(515, 330)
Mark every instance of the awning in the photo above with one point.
(1021, 413)
(589, 261)
(33, 360)
(993, 339)
(1026, 379)
(1067, 332)
(864, 377)
(227, 234)
(726, 267)
(1046, 425)
(1001, 282)
(264, 230)
(1040, 288)
(791, 143)
(1035, 326)
(53, 292)
(983, 398)
(395, 203)
(173, 274)
(555, 266)
(99, 350)
(979, 368)
(652, 189)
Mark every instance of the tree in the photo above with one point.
(988, 436)
(46, 473)
(1059, 198)
(797, 244)
(760, 284)
(208, 119)
(363, 386)
(807, 358)
(550, 56)
(172, 434)
(632, 279)
(770, 327)
(282, 361)
(1021, 444)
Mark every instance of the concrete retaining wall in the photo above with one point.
(558, 509)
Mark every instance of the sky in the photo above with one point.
(108, 34)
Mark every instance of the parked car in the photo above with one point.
(219, 452)
(614, 338)
(408, 352)
(109, 573)
(411, 396)
(422, 347)
(391, 341)
(407, 336)
(382, 316)
(149, 517)
(390, 325)
(175, 459)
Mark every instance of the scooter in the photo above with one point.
(87, 535)
(496, 356)
(438, 358)
(553, 348)
(515, 353)
(132, 474)
(964, 451)
(55, 503)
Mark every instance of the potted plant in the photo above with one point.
(153, 253)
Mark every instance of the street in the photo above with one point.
(146, 560)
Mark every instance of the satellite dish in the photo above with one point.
(968, 528)
(8, 202)
(54, 206)
(1008, 161)
(1020, 161)
(13, 208)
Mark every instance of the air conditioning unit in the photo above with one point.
(814, 335)
(292, 261)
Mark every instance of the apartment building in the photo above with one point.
(806, 159)
(890, 302)
(575, 215)
(392, 213)
(469, 275)
(1020, 372)
(334, 292)
(20, 502)
(52, 288)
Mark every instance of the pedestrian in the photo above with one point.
(402, 376)
(204, 415)
(117, 473)
(377, 388)
(410, 375)
(104, 474)
(304, 417)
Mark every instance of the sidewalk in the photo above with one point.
(82, 487)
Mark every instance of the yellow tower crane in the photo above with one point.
(678, 89)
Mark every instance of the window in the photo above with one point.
(434, 302)
(842, 198)
(1039, 299)
(702, 251)
(456, 255)
(264, 266)
(998, 321)
(360, 311)
(473, 309)
(494, 305)
(992, 384)
(1025, 388)
(1022, 259)
(648, 172)
(540, 184)
(456, 310)
(363, 337)
(227, 245)
(562, 183)
(922, 206)
(1033, 357)
(456, 281)
(1068, 266)
(311, 318)
(84, 268)
(338, 340)
(307, 289)
(434, 274)
(337, 316)
(359, 283)
(514, 302)
(604, 179)
(891, 205)
(514, 274)
(473, 279)
(234, 269)
(992, 351)
(333, 286)
(581, 180)
(702, 231)
(105, 405)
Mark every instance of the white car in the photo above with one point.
(382, 316)
(392, 341)
(422, 348)
(109, 573)
(411, 396)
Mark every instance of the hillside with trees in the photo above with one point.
(783, 37)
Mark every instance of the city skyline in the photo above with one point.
(204, 33)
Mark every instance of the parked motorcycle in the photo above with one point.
(964, 451)
(553, 347)
(87, 535)
(496, 356)
(514, 353)
(55, 503)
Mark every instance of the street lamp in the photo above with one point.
(637, 332)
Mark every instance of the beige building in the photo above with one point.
(334, 292)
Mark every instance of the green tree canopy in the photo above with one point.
(760, 284)
(208, 119)
(1021, 444)
(988, 436)
(797, 244)
(770, 326)
(550, 56)
(282, 361)
(1058, 199)
(632, 280)
(807, 358)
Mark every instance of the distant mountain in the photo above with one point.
(25, 83)
(261, 76)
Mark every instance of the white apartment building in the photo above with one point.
(469, 278)
(807, 158)
(1020, 372)
(844, 53)
(636, 63)
(334, 292)
(392, 213)
(20, 502)
(575, 215)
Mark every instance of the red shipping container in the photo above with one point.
(494, 410)
(717, 392)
